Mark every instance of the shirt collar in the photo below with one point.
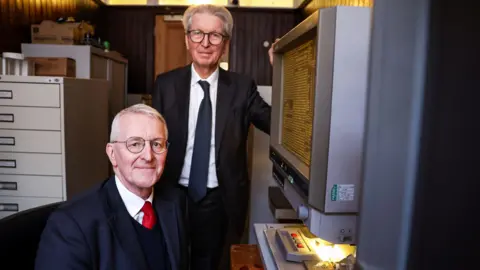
(213, 78)
(132, 202)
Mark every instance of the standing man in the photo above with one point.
(208, 111)
(124, 223)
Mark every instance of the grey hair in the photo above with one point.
(135, 109)
(221, 12)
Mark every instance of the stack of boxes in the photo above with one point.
(67, 33)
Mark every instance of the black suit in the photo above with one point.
(238, 105)
(95, 231)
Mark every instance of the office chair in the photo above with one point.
(20, 234)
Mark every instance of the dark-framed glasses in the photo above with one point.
(214, 38)
(136, 144)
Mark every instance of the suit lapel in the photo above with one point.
(224, 98)
(182, 95)
(168, 222)
(121, 223)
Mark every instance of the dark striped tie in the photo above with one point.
(197, 186)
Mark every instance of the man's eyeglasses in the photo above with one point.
(214, 38)
(136, 145)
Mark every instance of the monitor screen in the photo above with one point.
(293, 101)
(298, 100)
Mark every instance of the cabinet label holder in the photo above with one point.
(6, 94)
(8, 163)
(9, 207)
(8, 186)
(7, 140)
(7, 117)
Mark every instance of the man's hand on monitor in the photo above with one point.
(270, 51)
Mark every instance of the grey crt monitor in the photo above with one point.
(319, 95)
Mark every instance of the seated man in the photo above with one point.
(123, 223)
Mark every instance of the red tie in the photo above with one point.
(149, 218)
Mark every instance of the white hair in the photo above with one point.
(219, 11)
(136, 109)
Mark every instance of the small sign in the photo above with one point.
(345, 192)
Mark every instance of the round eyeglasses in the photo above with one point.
(214, 38)
(136, 145)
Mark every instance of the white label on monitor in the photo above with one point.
(343, 192)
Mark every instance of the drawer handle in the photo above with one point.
(7, 140)
(9, 207)
(7, 117)
(8, 163)
(6, 94)
(8, 186)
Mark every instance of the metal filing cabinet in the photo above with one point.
(53, 133)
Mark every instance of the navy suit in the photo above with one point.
(95, 231)
(238, 105)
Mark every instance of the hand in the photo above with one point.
(270, 51)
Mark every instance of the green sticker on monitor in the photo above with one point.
(333, 194)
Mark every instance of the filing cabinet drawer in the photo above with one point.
(30, 141)
(30, 118)
(13, 205)
(31, 186)
(29, 94)
(31, 164)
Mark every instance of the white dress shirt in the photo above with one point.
(196, 97)
(133, 203)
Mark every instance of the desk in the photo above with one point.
(245, 257)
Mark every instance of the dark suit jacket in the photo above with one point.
(95, 231)
(238, 105)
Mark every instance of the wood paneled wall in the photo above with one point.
(130, 31)
(16, 16)
(252, 29)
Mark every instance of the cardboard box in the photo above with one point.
(50, 66)
(50, 32)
